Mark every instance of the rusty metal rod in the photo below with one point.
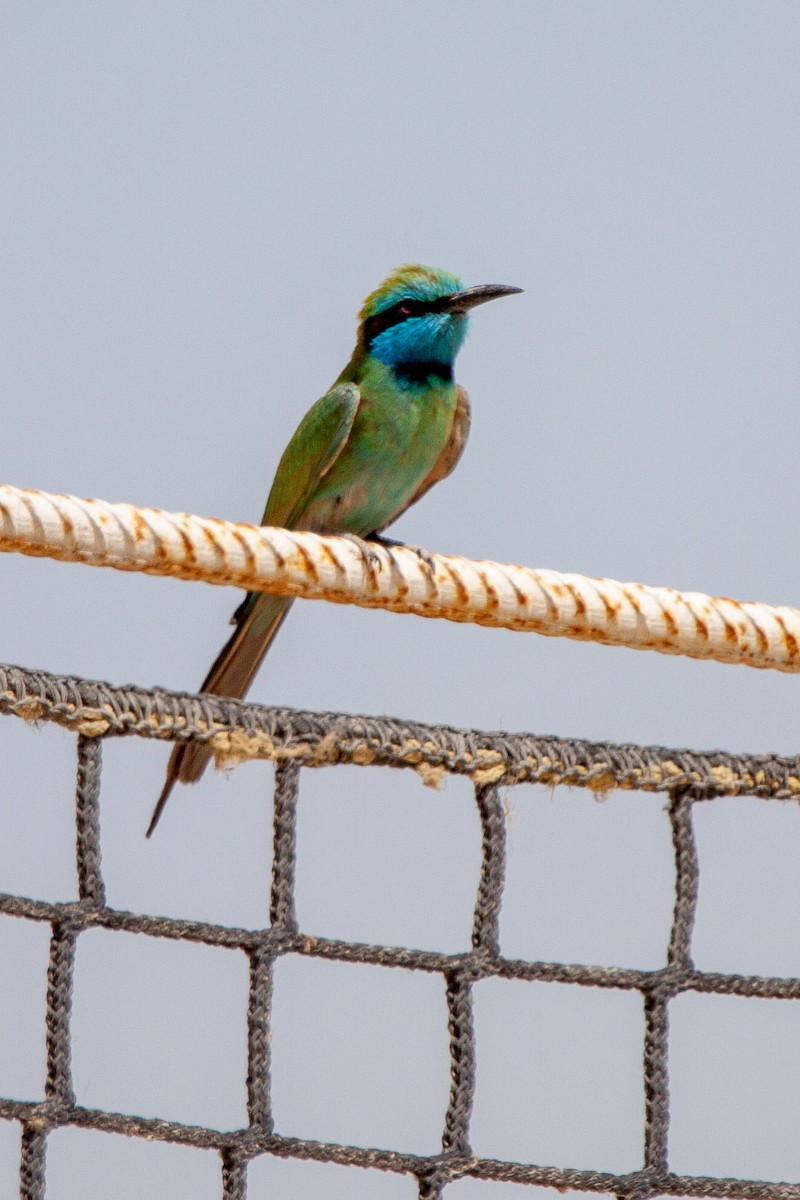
(398, 579)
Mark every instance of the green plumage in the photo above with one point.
(393, 424)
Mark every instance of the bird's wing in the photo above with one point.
(448, 459)
(313, 449)
(317, 443)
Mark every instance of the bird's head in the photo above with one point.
(419, 316)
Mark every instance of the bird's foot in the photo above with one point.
(366, 546)
(392, 544)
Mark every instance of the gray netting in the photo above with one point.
(296, 739)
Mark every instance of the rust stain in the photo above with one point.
(280, 559)
(161, 552)
(670, 622)
(461, 591)
(553, 614)
(249, 556)
(789, 640)
(403, 588)
(308, 563)
(212, 540)
(633, 600)
(101, 515)
(140, 526)
(331, 557)
(189, 551)
(492, 602)
(519, 595)
(731, 636)
(580, 603)
(700, 627)
(611, 606)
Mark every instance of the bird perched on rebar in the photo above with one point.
(392, 426)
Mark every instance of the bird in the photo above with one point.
(394, 424)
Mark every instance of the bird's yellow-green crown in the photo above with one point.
(412, 280)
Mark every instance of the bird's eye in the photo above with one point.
(405, 310)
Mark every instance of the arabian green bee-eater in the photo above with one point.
(392, 426)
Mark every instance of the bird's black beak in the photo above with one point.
(462, 302)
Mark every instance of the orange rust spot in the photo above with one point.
(611, 607)
(790, 641)
(519, 595)
(308, 562)
(331, 557)
(67, 524)
(730, 633)
(160, 551)
(461, 591)
(211, 539)
(280, 559)
(701, 627)
(552, 607)
(403, 588)
(762, 639)
(492, 599)
(140, 526)
(249, 557)
(669, 622)
(633, 600)
(580, 603)
(188, 546)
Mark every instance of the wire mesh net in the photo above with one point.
(297, 740)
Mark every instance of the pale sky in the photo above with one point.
(196, 199)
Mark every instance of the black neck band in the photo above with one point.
(421, 372)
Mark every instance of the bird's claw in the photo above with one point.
(367, 548)
(421, 553)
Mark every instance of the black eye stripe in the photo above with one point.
(401, 311)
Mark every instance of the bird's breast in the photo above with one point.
(396, 439)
